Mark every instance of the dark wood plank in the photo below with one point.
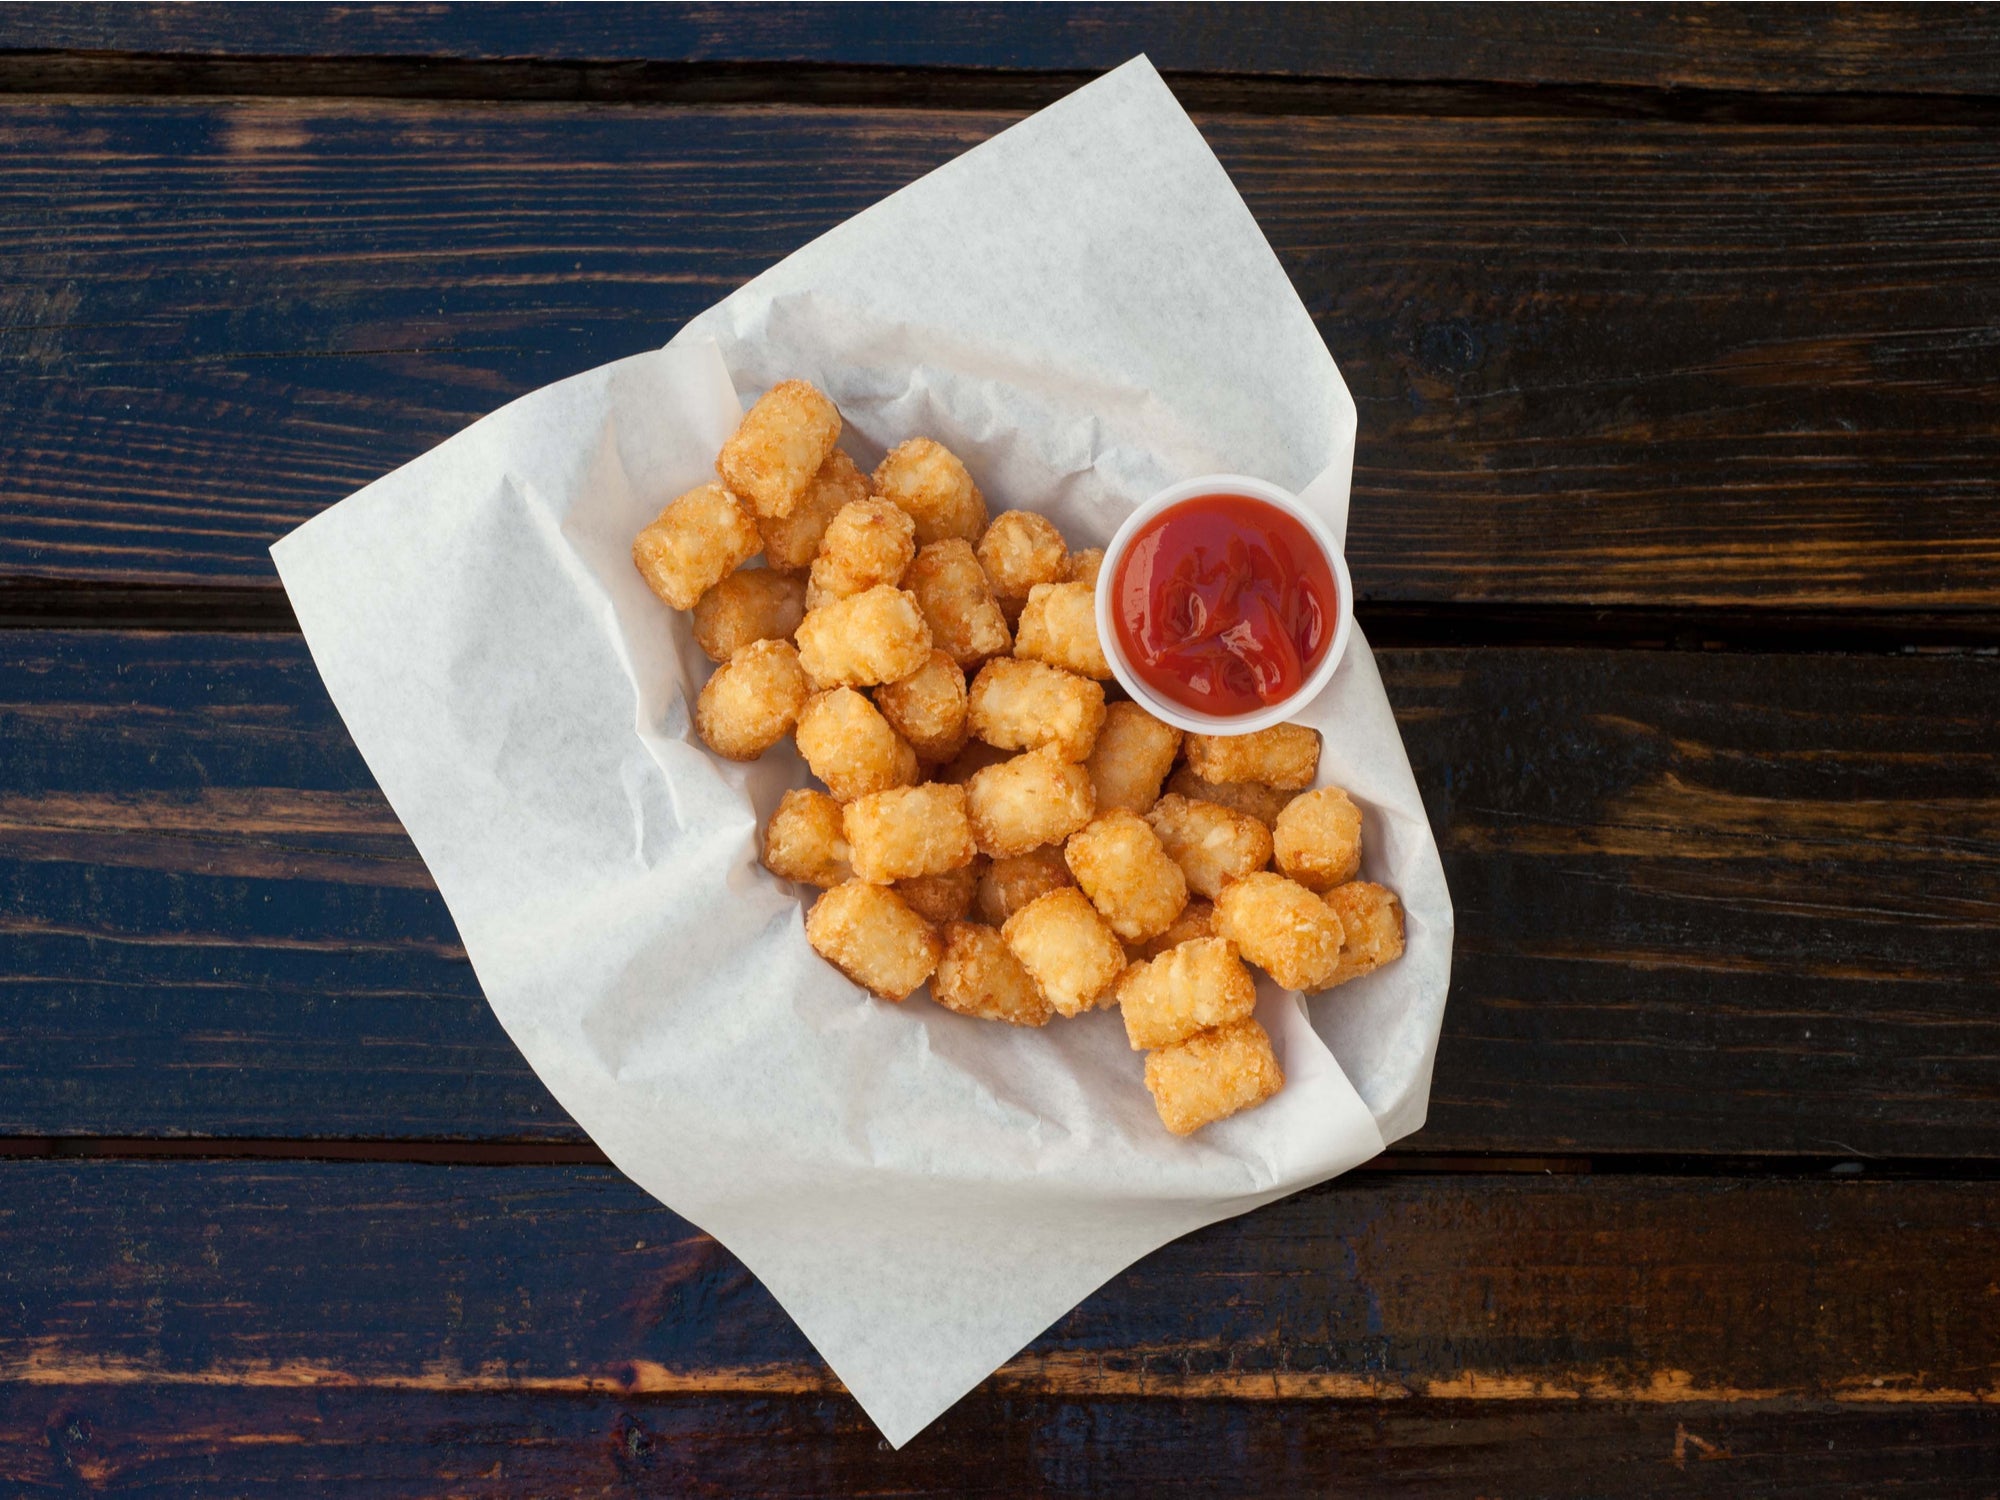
(238, 1325)
(1727, 904)
(1597, 362)
(196, 1440)
(1924, 49)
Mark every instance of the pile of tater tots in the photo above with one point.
(993, 822)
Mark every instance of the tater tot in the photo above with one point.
(1084, 565)
(1212, 1075)
(1011, 883)
(1133, 753)
(1059, 626)
(751, 604)
(1281, 927)
(951, 589)
(752, 701)
(908, 831)
(947, 897)
(1024, 705)
(1261, 802)
(927, 708)
(1119, 863)
(970, 761)
(1285, 756)
(1072, 954)
(1197, 920)
(1199, 984)
(877, 635)
(979, 976)
(1372, 919)
(806, 840)
(1210, 843)
(870, 934)
(1317, 839)
(927, 480)
(694, 544)
(869, 542)
(1036, 798)
(1019, 550)
(850, 747)
(779, 446)
(792, 542)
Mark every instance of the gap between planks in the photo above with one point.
(60, 604)
(708, 85)
(418, 1151)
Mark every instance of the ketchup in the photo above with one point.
(1224, 604)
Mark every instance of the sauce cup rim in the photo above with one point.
(1193, 720)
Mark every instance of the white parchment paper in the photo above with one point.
(1084, 310)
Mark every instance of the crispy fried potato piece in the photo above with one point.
(1285, 756)
(1119, 863)
(1084, 565)
(850, 747)
(947, 897)
(792, 542)
(1189, 988)
(694, 544)
(1036, 798)
(980, 977)
(1019, 550)
(752, 701)
(970, 761)
(927, 708)
(751, 604)
(1062, 941)
(1211, 844)
(806, 840)
(1197, 920)
(927, 480)
(1132, 756)
(1024, 705)
(957, 602)
(1212, 1075)
(779, 446)
(1059, 626)
(1261, 802)
(1317, 839)
(908, 831)
(1281, 927)
(1010, 883)
(870, 934)
(877, 635)
(1372, 919)
(869, 542)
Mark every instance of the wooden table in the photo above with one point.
(1676, 339)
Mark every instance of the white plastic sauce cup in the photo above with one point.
(1193, 719)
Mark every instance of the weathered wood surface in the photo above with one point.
(1668, 323)
(196, 1441)
(1597, 362)
(502, 1327)
(1731, 904)
(1939, 50)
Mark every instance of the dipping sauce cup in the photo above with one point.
(1223, 605)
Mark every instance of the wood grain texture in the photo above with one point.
(238, 1325)
(1925, 49)
(1596, 363)
(1005, 1447)
(184, 1441)
(1706, 904)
